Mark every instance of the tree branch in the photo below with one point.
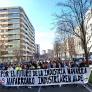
(89, 48)
(89, 39)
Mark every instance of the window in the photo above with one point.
(3, 20)
(2, 31)
(3, 10)
(16, 20)
(3, 15)
(10, 40)
(3, 25)
(14, 10)
(14, 15)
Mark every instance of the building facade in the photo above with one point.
(88, 31)
(88, 28)
(50, 53)
(37, 48)
(17, 35)
(77, 42)
(67, 49)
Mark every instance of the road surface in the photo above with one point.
(63, 88)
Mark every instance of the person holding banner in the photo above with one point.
(18, 67)
(10, 68)
(74, 64)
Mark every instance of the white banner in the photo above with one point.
(45, 77)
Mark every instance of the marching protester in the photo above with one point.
(10, 68)
(54, 71)
(18, 67)
(54, 63)
(74, 64)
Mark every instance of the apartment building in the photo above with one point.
(37, 48)
(78, 46)
(88, 28)
(17, 35)
(50, 53)
(66, 49)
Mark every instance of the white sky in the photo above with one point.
(45, 39)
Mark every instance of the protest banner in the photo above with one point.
(45, 77)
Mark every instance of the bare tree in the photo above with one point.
(72, 16)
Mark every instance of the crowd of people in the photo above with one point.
(55, 63)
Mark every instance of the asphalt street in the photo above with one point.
(63, 88)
